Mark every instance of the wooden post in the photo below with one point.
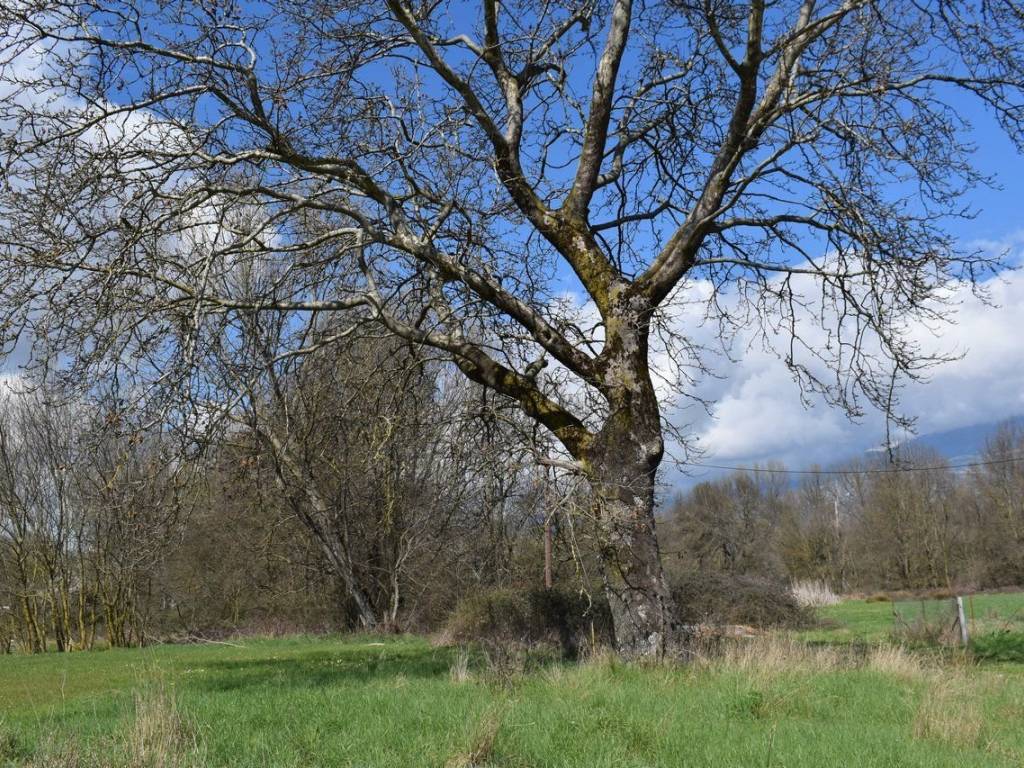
(549, 510)
(962, 621)
(548, 576)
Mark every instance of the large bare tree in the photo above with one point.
(510, 183)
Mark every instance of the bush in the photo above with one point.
(924, 632)
(715, 598)
(503, 618)
(999, 646)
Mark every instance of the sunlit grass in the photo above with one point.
(401, 702)
(860, 621)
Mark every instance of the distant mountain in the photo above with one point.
(958, 446)
(963, 444)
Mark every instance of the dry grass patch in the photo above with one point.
(814, 594)
(66, 755)
(459, 670)
(950, 712)
(772, 655)
(160, 736)
(157, 736)
(896, 661)
(481, 747)
(601, 657)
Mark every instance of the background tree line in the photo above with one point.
(868, 524)
(364, 486)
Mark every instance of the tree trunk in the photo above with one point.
(333, 541)
(623, 462)
(642, 606)
(336, 550)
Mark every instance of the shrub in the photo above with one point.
(913, 595)
(999, 646)
(922, 632)
(504, 618)
(716, 598)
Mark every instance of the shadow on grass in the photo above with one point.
(347, 665)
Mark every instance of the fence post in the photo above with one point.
(962, 621)
(549, 580)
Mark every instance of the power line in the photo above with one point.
(897, 470)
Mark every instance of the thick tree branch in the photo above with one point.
(595, 135)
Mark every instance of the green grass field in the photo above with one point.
(401, 702)
(858, 621)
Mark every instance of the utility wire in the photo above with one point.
(870, 471)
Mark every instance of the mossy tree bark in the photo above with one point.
(622, 462)
(643, 610)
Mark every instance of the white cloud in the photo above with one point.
(758, 416)
(763, 416)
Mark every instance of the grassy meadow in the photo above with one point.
(871, 621)
(816, 699)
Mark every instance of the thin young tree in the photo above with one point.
(510, 183)
(41, 519)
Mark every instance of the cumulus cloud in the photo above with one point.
(757, 414)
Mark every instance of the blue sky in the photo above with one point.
(758, 415)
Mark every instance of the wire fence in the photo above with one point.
(933, 621)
